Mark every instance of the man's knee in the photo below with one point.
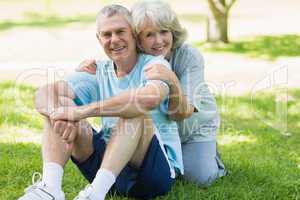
(140, 124)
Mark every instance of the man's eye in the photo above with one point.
(106, 35)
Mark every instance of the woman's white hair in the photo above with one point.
(112, 10)
(161, 15)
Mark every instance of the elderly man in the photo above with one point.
(137, 152)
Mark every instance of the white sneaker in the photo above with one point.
(85, 194)
(40, 191)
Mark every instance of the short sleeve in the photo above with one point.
(156, 60)
(159, 60)
(85, 86)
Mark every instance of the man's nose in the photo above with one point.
(115, 38)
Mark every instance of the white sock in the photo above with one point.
(102, 183)
(52, 176)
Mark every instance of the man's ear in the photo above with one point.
(98, 37)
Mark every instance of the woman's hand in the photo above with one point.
(159, 72)
(88, 66)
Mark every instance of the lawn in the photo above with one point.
(264, 163)
(263, 46)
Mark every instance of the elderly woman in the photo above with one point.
(191, 103)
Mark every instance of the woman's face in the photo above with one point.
(155, 41)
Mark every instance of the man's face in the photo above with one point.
(116, 37)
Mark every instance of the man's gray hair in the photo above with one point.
(112, 10)
(161, 15)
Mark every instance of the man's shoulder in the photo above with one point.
(103, 63)
(146, 59)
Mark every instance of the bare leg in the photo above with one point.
(129, 142)
(54, 149)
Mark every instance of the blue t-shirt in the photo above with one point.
(89, 88)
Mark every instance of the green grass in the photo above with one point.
(268, 47)
(51, 20)
(46, 21)
(263, 163)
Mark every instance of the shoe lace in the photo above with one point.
(35, 182)
(84, 194)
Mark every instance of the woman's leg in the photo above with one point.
(202, 163)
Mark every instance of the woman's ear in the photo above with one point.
(138, 44)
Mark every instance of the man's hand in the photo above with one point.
(67, 130)
(70, 113)
(88, 66)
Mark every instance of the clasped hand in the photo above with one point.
(65, 122)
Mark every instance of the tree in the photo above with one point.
(218, 23)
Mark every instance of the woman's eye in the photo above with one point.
(164, 31)
(149, 34)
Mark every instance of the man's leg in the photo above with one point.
(56, 153)
(129, 143)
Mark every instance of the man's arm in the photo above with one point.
(129, 104)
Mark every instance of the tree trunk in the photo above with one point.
(218, 20)
(223, 28)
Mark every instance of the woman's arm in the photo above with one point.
(88, 66)
(179, 108)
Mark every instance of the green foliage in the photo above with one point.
(263, 162)
(269, 47)
(197, 18)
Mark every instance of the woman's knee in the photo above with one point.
(202, 177)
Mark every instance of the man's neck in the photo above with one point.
(124, 67)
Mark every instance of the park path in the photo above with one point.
(26, 54)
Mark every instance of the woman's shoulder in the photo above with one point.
(188, 53)
(189, 49)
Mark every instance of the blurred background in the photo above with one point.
(253, 68)
(263, 38)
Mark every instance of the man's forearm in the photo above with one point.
(128, 104)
